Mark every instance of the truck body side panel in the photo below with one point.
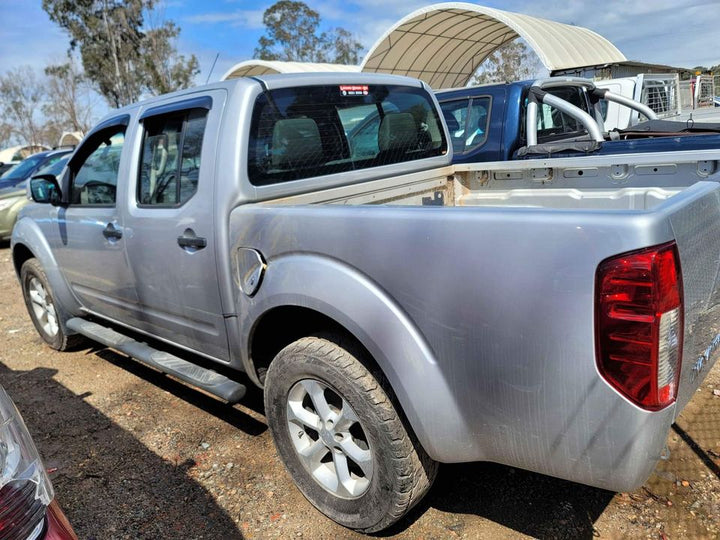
(505, 300)
(330, 287)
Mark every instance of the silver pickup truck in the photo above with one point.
(308, 234)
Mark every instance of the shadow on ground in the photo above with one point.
(253, 400)
(107, 472)
(532, 504)
(529, 503)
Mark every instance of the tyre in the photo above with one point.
(42, 307)
(340, 436)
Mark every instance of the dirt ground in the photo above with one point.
(135, 454)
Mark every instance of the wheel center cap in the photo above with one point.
(328, 438)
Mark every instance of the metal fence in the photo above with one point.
(699, 92)
(686, 95)
(661, 93)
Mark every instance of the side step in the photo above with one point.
(204, 378)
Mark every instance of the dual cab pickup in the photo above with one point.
(398, 310)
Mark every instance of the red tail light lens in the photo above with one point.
(21, 514)
(639, 324)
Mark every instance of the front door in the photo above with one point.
(88, 237)
(170, 225)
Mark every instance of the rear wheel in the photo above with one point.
(42, 307)
(340, 436)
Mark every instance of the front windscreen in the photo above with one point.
(24, 169)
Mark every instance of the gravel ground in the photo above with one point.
(135, 454)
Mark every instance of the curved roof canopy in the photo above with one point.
(70, 138)
(444, 44)
(18, 153)
(248, 68)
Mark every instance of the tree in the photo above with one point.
(291, 34)
(166, 70)
(68, 104)
(514, 61)
(21, 96)
(6, 134)
(343, 48)
(118, 57)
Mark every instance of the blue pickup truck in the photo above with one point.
(556, 117)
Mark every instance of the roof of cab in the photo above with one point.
(273, 81)
(480, 89)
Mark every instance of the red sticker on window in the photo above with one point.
(354, 89)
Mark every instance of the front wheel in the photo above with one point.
(340, 436)
(42, 307)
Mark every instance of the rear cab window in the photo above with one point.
(313, 131)
(553, 124)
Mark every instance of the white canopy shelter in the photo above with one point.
(444, 44)
(248, 68)
(70, 138)
(18, 153)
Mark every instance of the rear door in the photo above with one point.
(171, 246)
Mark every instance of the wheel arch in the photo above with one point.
(304, 293)
(29, 242)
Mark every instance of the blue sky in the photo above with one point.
(675, 32)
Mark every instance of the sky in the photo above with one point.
(681, 33)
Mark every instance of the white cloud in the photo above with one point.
(250, 19)
(682, 34)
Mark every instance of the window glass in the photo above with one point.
(96, 180)
(455, 113)
(477, 122)
(467, 121)
(170, 162)
(24, 169)
(603, 103)
(313, 131)
(551, 122)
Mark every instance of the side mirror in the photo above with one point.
(44, 189)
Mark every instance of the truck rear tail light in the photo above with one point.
(639, 324)
(25, 489)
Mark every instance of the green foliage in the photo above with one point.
(342, 48)
(291, 34)
(166, 71)
(120, 57)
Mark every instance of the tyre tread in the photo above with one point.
(415, 470)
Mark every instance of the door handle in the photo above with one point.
(190, 240)
(111, 232)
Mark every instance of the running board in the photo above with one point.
(208, 380)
